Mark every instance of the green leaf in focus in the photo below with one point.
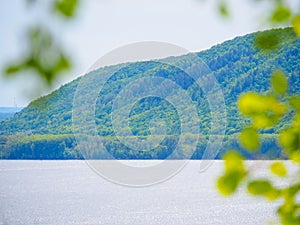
(250, 139)
(279, 82)
(278, 169)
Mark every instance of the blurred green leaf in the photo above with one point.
(274, 106)
(281, 14)
(295, 102)
(295, 156)
(250, 139)
(62, 64)
(251, 103)
(66, 7)
(223, 8)
(279, 82)
(44, 56)
(288, 213)
(278, 169)
(296, 122)
(296, 24)
(259, 187)
(228, 183)
(264, 110)
(12, 69)
(233, 161)
(234, 173)
(289, 140)
(291, 191)
(263, 188)
(263, 121)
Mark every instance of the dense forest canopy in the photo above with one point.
(44, 128)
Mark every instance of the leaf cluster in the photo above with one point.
(265, 111)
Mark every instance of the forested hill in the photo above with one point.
(237, 65)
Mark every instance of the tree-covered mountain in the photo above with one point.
(44, 128)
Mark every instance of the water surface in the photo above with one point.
(69, 192)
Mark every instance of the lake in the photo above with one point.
(69, 192)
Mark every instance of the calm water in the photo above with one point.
(69, 192)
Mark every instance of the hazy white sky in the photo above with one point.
(104, 25)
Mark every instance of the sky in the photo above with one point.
(103, 25)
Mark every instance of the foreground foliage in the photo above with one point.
(265, 111)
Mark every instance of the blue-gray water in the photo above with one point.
(69, 192)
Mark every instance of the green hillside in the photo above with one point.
(44, 128)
